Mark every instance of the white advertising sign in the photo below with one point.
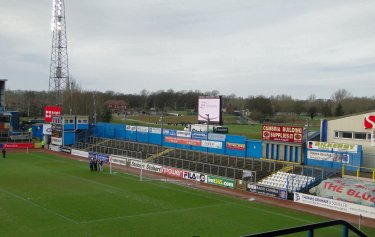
(329, 146)
(336, 205)
(216, 137)
(373, 138)
(56, 141)
(118, 160)
(327, 156)
(186, 134)
(154, 130)
(47, 129)
(54, 148)
(84, 154)
(131, 128)
(194, 176)
(145, 166)
(142, 129)
(212, 144)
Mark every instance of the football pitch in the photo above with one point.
(48, 195)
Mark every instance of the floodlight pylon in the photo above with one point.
(59, 67)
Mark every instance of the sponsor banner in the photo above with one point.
(66, 149)
(223, 182)
(186, 134)
(169, 132)
(235, 146)
(47, 129)
(84, 154)
(282, 133)
(267, 191)
(328, 156)
(54, 148)
(335, 205)
(216, 137)
(369, 122)
(118, 160)
(221, 129)
(51, 111)
(56, 141)
(172, 171)
(19, 145)
(145, 166)
(57, 127)
(199, 135)
(131, 128)
(154, 130)
(373, 138)
(183, 141)
(333, 146)
(194, 176)
(212, 144)
(350, 190)
(142, 129)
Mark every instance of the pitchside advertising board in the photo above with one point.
(219, 181)
(179, 173)
(282, 133)
(267, 191)
(335, 205)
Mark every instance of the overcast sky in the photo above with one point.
(241, 47)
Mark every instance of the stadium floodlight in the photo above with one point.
(56, 15)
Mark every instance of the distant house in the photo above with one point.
(117, 106)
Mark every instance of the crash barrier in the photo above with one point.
(358, 172)
(311, 228)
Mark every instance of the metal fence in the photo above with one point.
(359, 173)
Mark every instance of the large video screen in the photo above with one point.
(209, 109)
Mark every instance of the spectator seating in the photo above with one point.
(288, 181)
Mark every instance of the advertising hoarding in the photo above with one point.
(235, 146)
(223, 182)
(194, 176)
(330, 146)
(267, 191)
(183, 141)
(328, 156)
(170, 171)
(212, 144)
(282, 133)
(335, 205)
(51, 111)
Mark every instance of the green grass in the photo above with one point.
(48, 195)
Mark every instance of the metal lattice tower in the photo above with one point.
(59, 68)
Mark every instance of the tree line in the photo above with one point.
(259, 107)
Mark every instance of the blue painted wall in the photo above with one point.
(254, 148)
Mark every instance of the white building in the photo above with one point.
(354, 129)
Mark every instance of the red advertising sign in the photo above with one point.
(19, 145)
(183, 141)
(172, 171)
(50, 111)
(282, 133)
(235, 146)
(369, 122)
